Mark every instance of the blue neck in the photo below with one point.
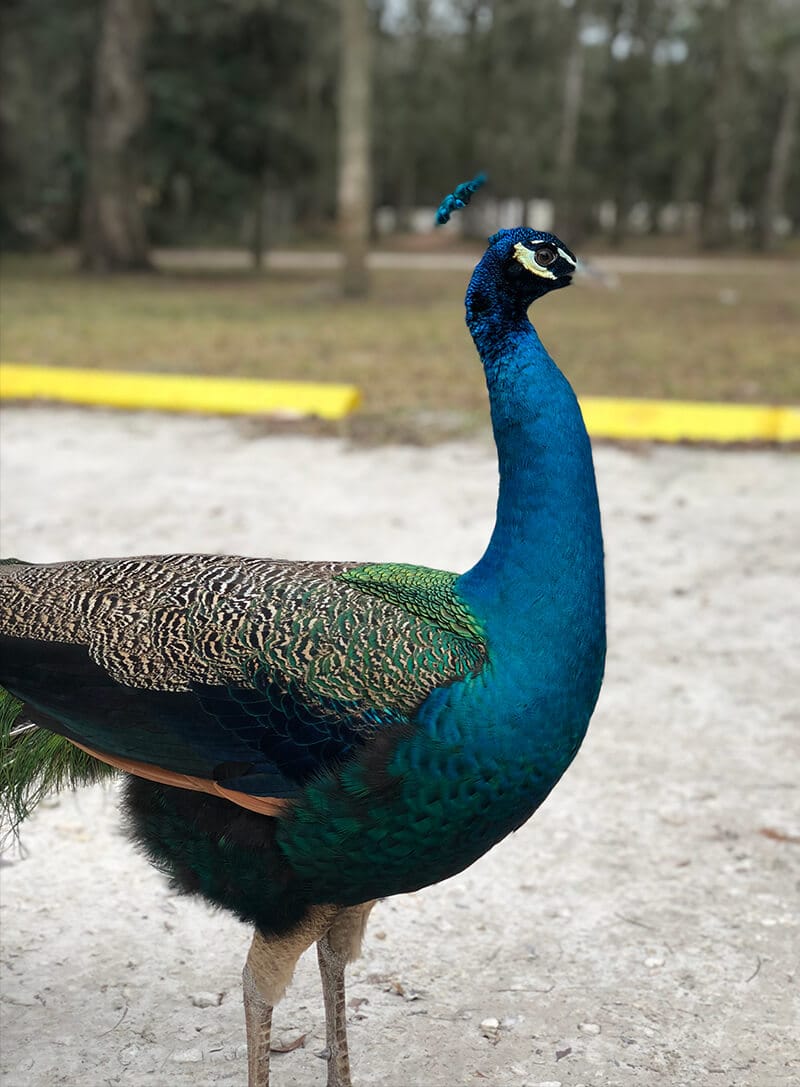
(539, 586)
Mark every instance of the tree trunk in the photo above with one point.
(415, 98)
(619, 148)
(113, 234)
(258, 236)
(468, 134)
(570, 115)
(781, 158)
(354, 146)
(716, 228)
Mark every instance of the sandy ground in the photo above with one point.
(641, 929)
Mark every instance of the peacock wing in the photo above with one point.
(253, 674)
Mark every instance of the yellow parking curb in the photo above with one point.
(689, 421)
(177, 392)
(606, 417)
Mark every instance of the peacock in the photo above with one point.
(301, 739)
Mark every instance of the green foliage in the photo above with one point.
(35, 762)
(252, 113)
(45, 65)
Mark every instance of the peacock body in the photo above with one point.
(304, 738)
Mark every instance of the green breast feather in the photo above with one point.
(422, 591)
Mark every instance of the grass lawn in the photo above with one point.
(729, 335)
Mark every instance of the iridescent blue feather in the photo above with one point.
(459, 198)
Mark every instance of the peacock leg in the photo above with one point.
(258, 1025)
(339, 946)
(268, 970)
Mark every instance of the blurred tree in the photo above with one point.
(242, 142)
(414, 99)
(113, 234)
(635, 28)
(354, 188)
(773, 203)
(571, 101)
(45, 69)
(469, 117)
(724, 119)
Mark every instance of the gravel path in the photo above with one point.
(642, 929)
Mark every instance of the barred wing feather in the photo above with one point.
(252, 674)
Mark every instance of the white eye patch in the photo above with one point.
(528, 261)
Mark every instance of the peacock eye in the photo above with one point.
(545, 255)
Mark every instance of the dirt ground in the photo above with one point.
(642, 929)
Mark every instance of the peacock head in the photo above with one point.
(519, 266)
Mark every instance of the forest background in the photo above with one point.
(226, 121)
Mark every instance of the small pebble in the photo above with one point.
(128, 1054)
(206, 1000)
(490, 1027)
(654, 960)
(187, 1056)
(589, 1028)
